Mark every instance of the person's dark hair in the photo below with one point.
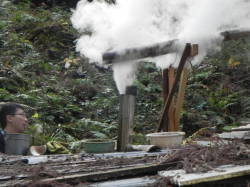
(8, 109)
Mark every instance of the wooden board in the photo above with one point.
(82, 167)
(180, 98)
(113, 173)
(180, 178)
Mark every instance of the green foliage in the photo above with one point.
(218, 88)
(245, 103)
(87, 128)
(5, 95)
(81, 101)
(149, 98)
(221, 102)
(140, 139)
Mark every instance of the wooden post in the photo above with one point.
(172, 105)
(165, 92)
(126, 118)
(180, 99)
(171, 119)
(186, 54)
(168, 81)
(165, 84)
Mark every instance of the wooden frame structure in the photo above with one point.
(170, 117)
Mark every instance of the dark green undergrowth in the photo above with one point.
(81, 101)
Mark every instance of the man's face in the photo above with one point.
(18, 122)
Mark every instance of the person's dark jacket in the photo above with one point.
(2, 142)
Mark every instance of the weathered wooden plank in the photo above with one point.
(85, 157)
(71, 169)
(114, 173)
(129, 182)
(181, 178)
(76, 164)
(239, 129)
(100, 175)
(180, 98)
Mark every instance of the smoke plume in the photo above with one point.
(135, 23)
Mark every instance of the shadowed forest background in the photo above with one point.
(68, 99)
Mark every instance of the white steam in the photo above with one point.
(124, 75)
(136, 23)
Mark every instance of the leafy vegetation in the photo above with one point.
(68, 99)
(218, 88)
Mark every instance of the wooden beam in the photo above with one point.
(160, 48)
(186, 54)
(142, 52)
(235, 34)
